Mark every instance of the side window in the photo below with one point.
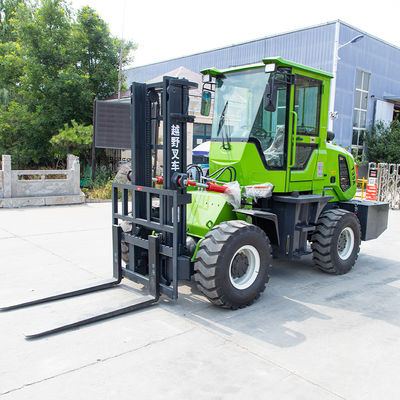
(307, 105)
(270, 129)
(360, 110)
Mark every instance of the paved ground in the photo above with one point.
(310, 336)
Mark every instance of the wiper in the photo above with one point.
(226, 146)
(222, 118)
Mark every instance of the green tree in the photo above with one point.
(50, 79)
(19, 126)
(73, 139)
(98, 53)
(7, 12)
(383, 143)
(11, 61)
(49, 85)
(52, 66)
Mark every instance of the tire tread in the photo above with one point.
(207, 260)
(322, 241)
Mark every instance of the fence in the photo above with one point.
(19, 188)
(387, 181)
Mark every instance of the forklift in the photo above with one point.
(277, 188)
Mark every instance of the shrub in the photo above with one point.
(383, 143)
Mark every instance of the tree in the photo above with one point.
(52, 66)
(11, 61)
(75, 139)
(49, 86)
(18, 126)
(7, 12)
(98, 53)
(383, 143)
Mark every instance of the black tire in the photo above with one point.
(227, 261)
(336, 241)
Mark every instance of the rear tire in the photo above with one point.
(232, 264)
(336, 241)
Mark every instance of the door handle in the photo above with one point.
(294, 139)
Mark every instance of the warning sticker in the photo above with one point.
(373, 173)
(320, 169)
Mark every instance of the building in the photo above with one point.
(112, 120)
(366, 88)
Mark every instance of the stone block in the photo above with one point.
(6, 169)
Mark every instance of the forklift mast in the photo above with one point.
(154, 209)
(156, 241)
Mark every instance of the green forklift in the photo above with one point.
(277, 187)
(270, 129)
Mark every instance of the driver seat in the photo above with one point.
(274, 153)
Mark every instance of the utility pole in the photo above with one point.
(336, 58)
(121, 54)
(333, 80)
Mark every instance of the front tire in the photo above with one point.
(232, 264)
(336, 241)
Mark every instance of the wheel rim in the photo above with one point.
(345, 243)
(244, 267)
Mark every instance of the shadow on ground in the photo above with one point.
(299, 292)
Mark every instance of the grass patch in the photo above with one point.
(101, 192)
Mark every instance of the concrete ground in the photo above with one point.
(310, 336)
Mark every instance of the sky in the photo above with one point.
(169, 29)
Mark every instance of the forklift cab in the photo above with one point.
(272, 116)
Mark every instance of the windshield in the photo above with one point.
(239, 113)
(237, 100)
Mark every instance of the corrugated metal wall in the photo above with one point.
(312, 46)
(371, 55)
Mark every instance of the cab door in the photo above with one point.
(304, 138)
(270, 135)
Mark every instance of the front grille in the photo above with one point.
(344, 176)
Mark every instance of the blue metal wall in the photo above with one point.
(312, 46)
(372, 55)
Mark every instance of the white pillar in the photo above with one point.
(6, 163)
(333, 80)
(74, 165)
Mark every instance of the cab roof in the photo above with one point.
(277, 60)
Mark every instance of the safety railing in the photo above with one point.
(386, 177)
(40, 187)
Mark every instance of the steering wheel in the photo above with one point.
(262, 135)
(260, 132)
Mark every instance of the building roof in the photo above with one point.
(392, 99)
(312, 46)
(182, 72)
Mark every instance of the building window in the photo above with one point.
(201, 133)
(360, 110)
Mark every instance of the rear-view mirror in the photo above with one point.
(205, 103)
(270, 95)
